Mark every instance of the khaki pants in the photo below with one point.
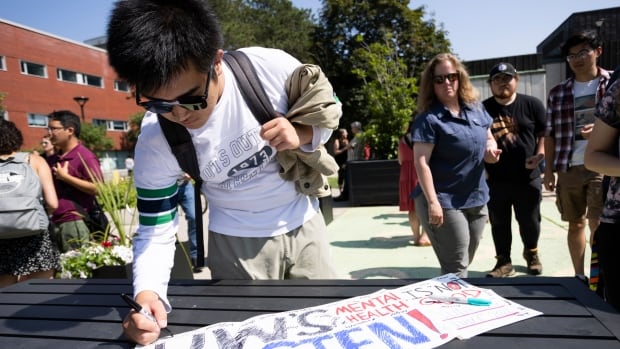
(302, 253)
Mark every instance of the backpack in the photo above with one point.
(21, 207)
(180, 140)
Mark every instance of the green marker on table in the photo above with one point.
(468, 300)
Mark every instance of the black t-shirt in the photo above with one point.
(516, 128)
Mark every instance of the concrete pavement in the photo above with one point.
(373, 242)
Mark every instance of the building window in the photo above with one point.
(2, 63)
(119, 125)
(79, 78)
(92, 80)
(37, 120)
(67, 75)
(112, 125)
(35, 69)
(122, 86)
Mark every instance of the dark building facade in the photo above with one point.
(605, 21)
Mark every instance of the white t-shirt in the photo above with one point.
(585, 102)
(246, 195)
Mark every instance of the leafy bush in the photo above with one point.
(122, 192)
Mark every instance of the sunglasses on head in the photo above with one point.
(190, 103)
(439, 79)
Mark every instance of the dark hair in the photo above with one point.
(67, 119)
(584, 37)
(11, 139)
(150, 42)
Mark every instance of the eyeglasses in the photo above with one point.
(44, 143)
(439, 79)
(191, 103)
(54, 129)
(502, 78)
(579, 55)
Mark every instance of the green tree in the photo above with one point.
(267, 23)
(388, 95)
(347, 25)
(131, 136)
(2, 96)
(94, 137)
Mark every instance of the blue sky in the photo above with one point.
(477, 28)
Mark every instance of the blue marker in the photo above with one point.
(468, 300)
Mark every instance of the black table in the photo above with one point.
(87, 313)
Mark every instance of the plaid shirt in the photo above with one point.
(560, 124)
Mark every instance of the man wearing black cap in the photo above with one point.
(514, 181)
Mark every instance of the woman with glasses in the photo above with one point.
(452, 139)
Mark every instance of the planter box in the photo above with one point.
(373, 182)
(113, 272)
(182, 268)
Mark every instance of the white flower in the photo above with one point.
(91, 265)
(81, 262)
(124, 253)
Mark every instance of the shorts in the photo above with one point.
(578, 194)
(71, 235)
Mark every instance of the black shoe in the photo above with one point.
(195, 268)
(584, 279)
(341, 198)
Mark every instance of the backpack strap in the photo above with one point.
(180, 142)
(251, 89)
(17, 158)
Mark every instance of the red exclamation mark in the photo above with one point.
(416, 314)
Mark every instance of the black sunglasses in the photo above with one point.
(439, 79)
(191, 103)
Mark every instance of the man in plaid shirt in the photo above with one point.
(569, 122)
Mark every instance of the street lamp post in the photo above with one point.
(81, 100)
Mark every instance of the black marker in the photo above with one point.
(137, 307)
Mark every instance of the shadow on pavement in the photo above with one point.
(395, 273)
(376, 242)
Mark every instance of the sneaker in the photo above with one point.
(502, 269)
(534, 267)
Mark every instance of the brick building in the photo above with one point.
(40, 73)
